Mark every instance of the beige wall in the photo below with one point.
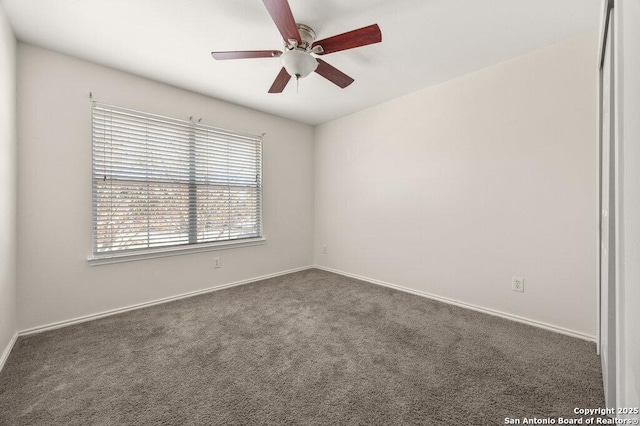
(7, 185)
(450, 191)
(54, 198)
(454, 189)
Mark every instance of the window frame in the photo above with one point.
(127, 255)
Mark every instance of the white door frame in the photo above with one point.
(607, 318)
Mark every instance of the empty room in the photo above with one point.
(386, 212)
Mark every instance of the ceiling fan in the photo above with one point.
(299, 44)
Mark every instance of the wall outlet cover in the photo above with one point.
(517, 284)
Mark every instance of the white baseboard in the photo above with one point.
(471, 306)
(7, 350)
(103, 314)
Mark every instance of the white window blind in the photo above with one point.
(161, 182)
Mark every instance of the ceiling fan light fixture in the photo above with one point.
(298, 63)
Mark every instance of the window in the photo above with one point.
(159, 183)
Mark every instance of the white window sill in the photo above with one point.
(171, 251)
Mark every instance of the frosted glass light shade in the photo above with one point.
(298, 63)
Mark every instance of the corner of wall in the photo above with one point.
(8, 188)
(315, 198)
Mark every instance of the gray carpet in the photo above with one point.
(306, 348)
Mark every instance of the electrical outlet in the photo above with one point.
(324, 249)
(217, 263)
(517, 284)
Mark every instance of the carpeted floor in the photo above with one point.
(305, 348)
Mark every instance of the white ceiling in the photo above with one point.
(424, 42)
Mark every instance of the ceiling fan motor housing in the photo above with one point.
(297, 59)
(307, 35)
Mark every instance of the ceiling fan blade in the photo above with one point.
(280, 82)
(333, 74)
(281, 14)
(350, 40)
(246, 54)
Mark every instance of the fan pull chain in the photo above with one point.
(297, 83)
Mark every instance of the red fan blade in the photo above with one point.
(280, 82)
(281, 14)
(333, 74)
(247, 54)
(355, 38)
